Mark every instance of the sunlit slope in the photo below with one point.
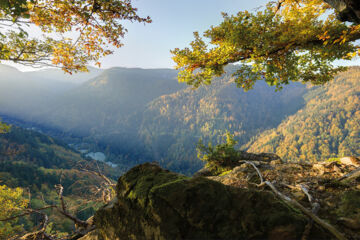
(327, 126)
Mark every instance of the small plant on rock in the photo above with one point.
(219, 158)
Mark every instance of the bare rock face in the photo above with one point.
(153, 203)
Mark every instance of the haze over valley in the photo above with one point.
(135, 115)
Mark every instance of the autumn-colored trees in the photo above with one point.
(75, 32)
(328, 126)
(287, 41)
(3, 128)
(11, 202)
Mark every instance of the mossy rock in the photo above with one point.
(350, 205)
(153, 203)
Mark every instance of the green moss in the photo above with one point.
(225, 172)
(138, 182)
(350, 204)
(157, 204)
(333, 160)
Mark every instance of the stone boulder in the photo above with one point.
(153, 203)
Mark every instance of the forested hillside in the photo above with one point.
(37, 163)
(139, 115)
(173, 124)
(327, 126)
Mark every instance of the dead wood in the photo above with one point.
(295, 203)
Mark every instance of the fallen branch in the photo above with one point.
(295, 203)
(310, 224)
(310, 214)
(297, 188)
(306, 191)
(262, 183)
(315, 209)
(350, 176)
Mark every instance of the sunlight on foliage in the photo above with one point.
(298, 41)
(327, 127)
(220, 158)
(97, 25)
(4, 128)
(11, 202)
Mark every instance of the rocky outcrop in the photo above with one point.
(153, 203)
(333, 185)
(244, 156)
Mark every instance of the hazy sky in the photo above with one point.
(173, 25)
(148, 46)
(174, 21)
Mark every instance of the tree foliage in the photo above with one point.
(11, 202)
(36, 162)
(220, 158)
(287, 41)
(328, 126)
(4, 128)
(96, 24)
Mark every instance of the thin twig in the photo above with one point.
(27, 213)
(97, 173)
(306, 191)
(262, 183)
(315, 208)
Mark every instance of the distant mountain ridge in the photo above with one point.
(136, 115)
(22, 94)
(104, 102)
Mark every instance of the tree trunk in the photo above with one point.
(348, 10)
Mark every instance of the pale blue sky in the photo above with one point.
(148, 46)
(173, 25)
